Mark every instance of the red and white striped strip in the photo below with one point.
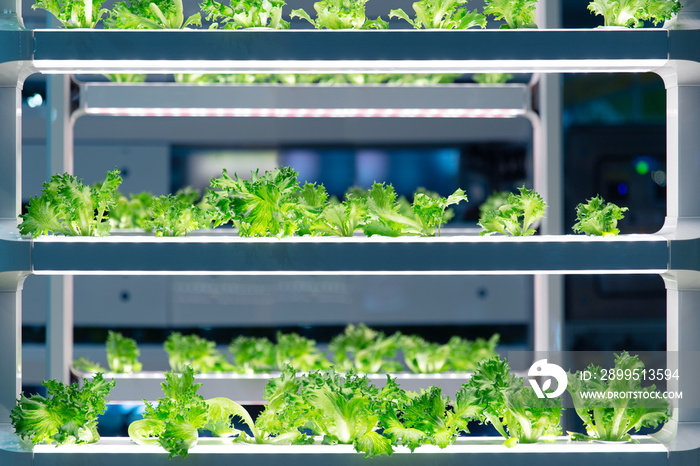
(307, 112)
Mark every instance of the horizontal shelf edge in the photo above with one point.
(216, 254)
(171, 99)
(397, 50)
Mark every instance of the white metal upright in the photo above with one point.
(12, 76)
(548, 317)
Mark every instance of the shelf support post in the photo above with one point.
(59, 159)
(15, 66)
(681, 77)
(548, 325)
(10, 341)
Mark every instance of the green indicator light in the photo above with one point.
(642, 167)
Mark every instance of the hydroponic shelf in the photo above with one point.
(312, 100)
(672, 54)
(223, 254)
(116, 451)
(341, 51)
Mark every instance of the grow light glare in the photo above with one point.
(489, 445)
(49, 66)
(343, 273)
(307, 112)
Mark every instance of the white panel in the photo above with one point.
(336, 300)
(123, 301)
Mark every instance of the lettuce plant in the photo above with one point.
(511, 405)
(441, 14)
(516, 14)
(147, 14)
(611, 418)
(340, 14)
(365, 350)
(69, 207)
(633, 13)
(244, 14)
(122, 353)
(195, 352)
(598, 218)
(67, 415)
(517, 217)
(74, 14)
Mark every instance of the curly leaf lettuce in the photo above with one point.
(68, 414)
(441, 14)
(633, 13)
(69, 207)
(517, 217)
(83, 14)
(340, 14)
(194, 352)
(265, 205)
(244, 14)
(516, 14)
(365, 350)
(150, 14)
(122, 353)
(611, 418)
(598, 218)
(511, 405)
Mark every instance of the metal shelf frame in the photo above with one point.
(674, 252)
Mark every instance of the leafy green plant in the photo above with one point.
(341, 409)
(196, 352)
(69, 207)
(492, 78)
(299, 352)
(312, 200)
(428, 418)
(517, 14)
(598, 218)
(365, 350)
(441, 14)
(122, 353)
(244, 14)
(175, 215)
(340, 219)
(265, 205)
(611, 418)
(126, 78)
(132, 212)
(517, 217)
(73, 14)
(465, 355)
(512, 406)
(494, 202)
(340, 14)
(150, 14)
(204, 78)
(424, 357)
(174, 422)
(252, 355)
(68, 414)
(427, 213)
(86, 365)
(633, 13)
(422, 79)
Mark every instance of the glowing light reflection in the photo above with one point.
(307, 112)
(344, 66)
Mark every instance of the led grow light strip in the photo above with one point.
(78, 66)
(464, 445)
(306, 112)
